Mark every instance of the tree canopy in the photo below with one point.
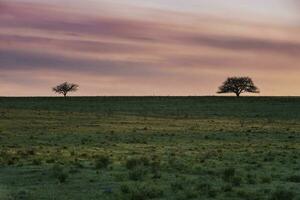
(65, 88)
(238, 85)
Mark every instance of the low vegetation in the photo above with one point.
(140, 148)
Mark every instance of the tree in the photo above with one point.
(238, 85)
(65, 88)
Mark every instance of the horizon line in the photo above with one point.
(291, 96)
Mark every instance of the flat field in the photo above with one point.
(140, 148)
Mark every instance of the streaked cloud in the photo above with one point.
(177, 52)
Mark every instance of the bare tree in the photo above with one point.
(65, 88)
(238, 85)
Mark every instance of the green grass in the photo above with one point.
(150, 148)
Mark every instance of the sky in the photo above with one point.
(148, 47)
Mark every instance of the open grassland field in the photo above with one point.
(140, 148)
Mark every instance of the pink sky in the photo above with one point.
(139, 47)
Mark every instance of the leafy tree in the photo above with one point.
(238, 85)
(65, 88)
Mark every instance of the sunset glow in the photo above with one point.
(140, 47)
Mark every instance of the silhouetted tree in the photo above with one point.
(238, 85)
(65, 88)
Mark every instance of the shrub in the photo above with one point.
(156, 174)
(294, 179)
(137, 173)
(212, 193)
(247, 195)
(37, 161)
(176, 186)
(228, 174)
(147, 192)
(141, 191)
(190, 194)
(20, 195)
(30, 152)
(76, 163)
(180, 195)
(102, 162)
(125, 189)
(50, 160)
(137, 161)
(155, 165)
(227, 188)
(266, 179)
(251, 179)
(236, 181)
(120, 177)
(107, 190)
(155, 168)
(73, 170)
(11, 162)
(177, 164)
(60, 173)
(207, 189)
(62, 177)
(204, 187)
(282, 195)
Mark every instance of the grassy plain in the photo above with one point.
(140, 148)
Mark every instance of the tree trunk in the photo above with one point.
(237, 94)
